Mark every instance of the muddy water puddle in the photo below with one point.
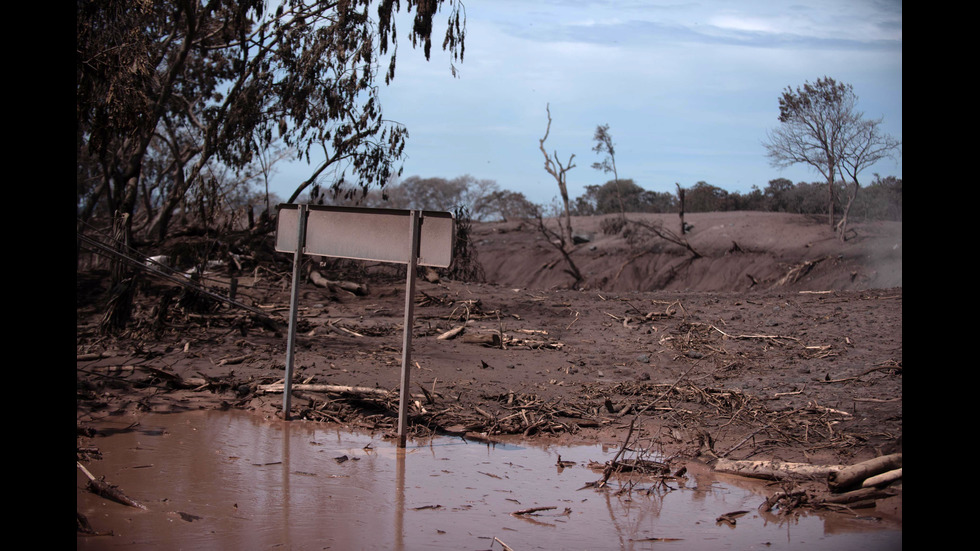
(233, 480)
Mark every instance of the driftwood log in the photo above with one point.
(775, 470)
(854, 475)
(882, 479)
(452, 333)
(484, 339)
(359, 289)
(859, 496)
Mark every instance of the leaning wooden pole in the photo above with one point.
(405, 397)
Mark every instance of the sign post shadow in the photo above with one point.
(411, 237)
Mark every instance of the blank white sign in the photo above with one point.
(382, 235)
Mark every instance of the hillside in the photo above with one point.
(740, 251)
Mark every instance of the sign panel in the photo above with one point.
(382, 235)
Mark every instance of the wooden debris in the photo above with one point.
(563, 464)
(532, 510)
(775, 470)
(359, 289)
(860, 495)
(339, 328)
(795, 273)
(279, 387)
(730, 518)
(484, 339)
(234, 361)
(786, 501)
(452, 333)
(853, 476)
(100, 487)
(882, 479)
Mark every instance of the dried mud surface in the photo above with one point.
(779, 342)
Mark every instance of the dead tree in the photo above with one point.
(557, 240)
(680, 197)
(554, 167)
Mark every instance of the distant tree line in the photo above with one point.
(486, 201)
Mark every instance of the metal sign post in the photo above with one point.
(366, 234)
(287, 393)
(407, 338)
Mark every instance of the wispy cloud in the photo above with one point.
(688, 88)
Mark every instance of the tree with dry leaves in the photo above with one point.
(218, 81)
(821, 127)
(222, 80)
(604, 144)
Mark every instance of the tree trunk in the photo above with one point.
(121, 280)
(567, 228)
(830, 192)
(680, 196)
(845, 210)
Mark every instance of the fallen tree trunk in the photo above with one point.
(359, 289)
(854, 475)
(856, 496)
(882, 479)
(484, 339)
(775, 470)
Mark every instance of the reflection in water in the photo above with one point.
(230, 480)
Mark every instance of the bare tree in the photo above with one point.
(555, 168)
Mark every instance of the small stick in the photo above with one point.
(532, 510)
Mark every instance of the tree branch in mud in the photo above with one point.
(102, 488)
(660, 231)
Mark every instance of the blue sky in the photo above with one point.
(688, 89)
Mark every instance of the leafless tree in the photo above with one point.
(554, 167)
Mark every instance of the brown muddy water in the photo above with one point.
(233, 480)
